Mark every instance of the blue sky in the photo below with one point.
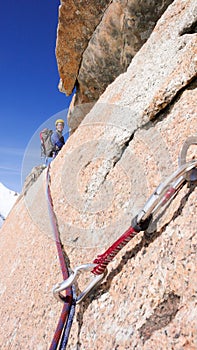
(29, 81)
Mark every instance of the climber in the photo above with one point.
(57, 138)
(51, 142)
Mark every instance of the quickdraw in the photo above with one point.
(187, 171)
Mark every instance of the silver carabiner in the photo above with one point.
(59, 287)
(191, 140)
(166, 190)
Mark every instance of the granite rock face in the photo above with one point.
(32, 177)
(124, 28)
(77, 22)
(96, 43)
(128, 143)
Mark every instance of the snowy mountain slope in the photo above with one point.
(7, 200)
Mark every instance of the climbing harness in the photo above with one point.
(165, 192)
(65, 322)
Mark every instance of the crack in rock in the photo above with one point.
(190, 29)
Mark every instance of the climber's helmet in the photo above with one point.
(59, 124)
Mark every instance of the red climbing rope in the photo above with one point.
(65, 321)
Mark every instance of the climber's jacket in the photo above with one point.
(57, 140)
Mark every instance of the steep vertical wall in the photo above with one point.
(96, 41)
(125, 146)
